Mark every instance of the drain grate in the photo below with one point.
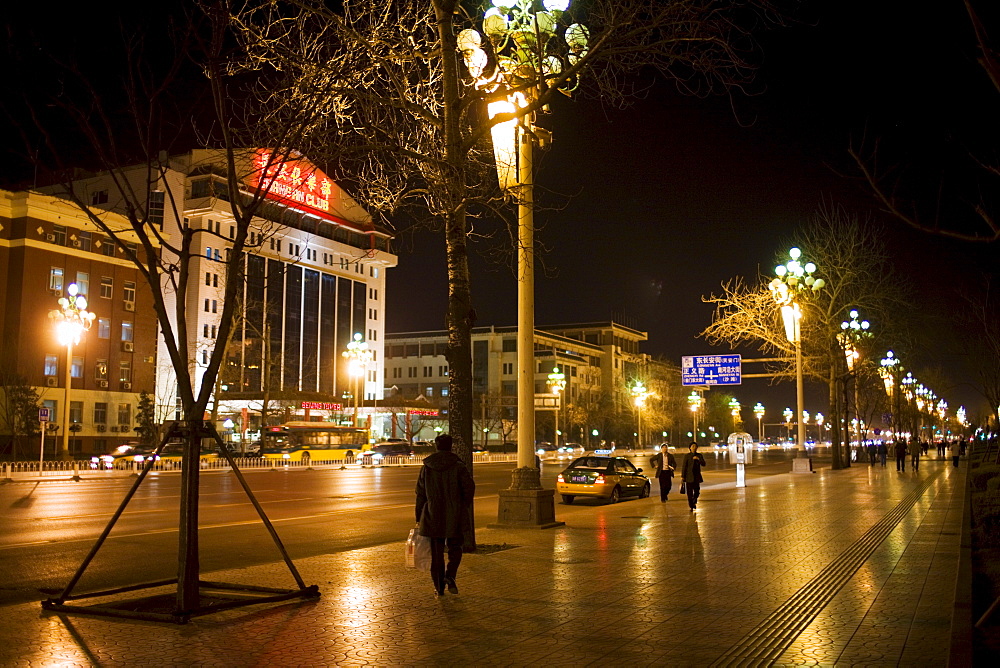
(769, 639)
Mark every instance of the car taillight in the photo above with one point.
(599, 480)
(559, 478)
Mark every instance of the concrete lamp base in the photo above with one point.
(802, 465)
(526, 509)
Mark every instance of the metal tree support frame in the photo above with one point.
(191, 590)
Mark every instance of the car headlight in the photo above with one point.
(138, 458)
(286, 456)
(539, 451)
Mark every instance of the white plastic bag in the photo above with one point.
(418, 551)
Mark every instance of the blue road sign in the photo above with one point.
(43, 414)
(711, 370)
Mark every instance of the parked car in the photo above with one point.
(393, 448)
(602, 477)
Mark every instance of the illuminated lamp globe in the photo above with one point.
(556, 5)
(781, 270)
(494, 22)
(545, 23)
(795, 253)
(818, 284)
(469, 39)
(577, 37)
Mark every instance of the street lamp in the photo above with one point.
(530, 50)
(819, 419)
(358, 356)
(557, 383)
(639, 395)
(694, 402)
(889, 368)
(734, 410)
(71, 319)
(851, 334)
(758, 412)
(794, 277)
(788, 421)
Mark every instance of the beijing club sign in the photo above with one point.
(295, 182)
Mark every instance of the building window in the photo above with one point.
(98, 197)
(428, 371)
(108, 248)
(86, 243)
(206, 306)
(204, 357)
(429, 391)
(208, 252)
(107, 286)
(215, 280)
(56, 278)
(124, 413)
(125, 372)
(213, 332)
(444, 391)
(214, 306)
(83, 283)
(411, 372)
(126, 331)
(510, 345)
(508, 368)
(51, 365)
(128, 291)
(208, 279)
(101, 370)
(59, 232)
(204, 331)
(76, 411)
(76, 370)
(156, 207)
(101, 412)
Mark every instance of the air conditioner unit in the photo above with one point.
(76, 243)
(114, 427)
(50, 237)
(102, 383)
(55, 292)
(102, 427)
(51, 381)
(129, 306)
(127, 346)
(126, 386)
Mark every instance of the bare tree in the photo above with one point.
(853, 262)
(408, 124)
(19, 403)
(903, 194)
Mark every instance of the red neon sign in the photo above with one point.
(423, 411)
(295, 182)
(321, 406)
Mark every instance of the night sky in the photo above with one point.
(676, 195)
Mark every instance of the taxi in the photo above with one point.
(169, 457)
(602, 476)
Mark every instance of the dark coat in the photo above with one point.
(691, 470)
(444, 495)
(900, 449)
(656, 461)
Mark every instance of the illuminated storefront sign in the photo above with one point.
(423, 411)
(295, 182)
(321, 406)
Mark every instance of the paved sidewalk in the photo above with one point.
(854, 567)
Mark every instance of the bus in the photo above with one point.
(313, 441)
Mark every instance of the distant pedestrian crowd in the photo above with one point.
(914, 450)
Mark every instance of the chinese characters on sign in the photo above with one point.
(321, 406)
(711, 370)
(423, 411)
(296, 181)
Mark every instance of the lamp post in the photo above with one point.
(734, 410)
(788, 414)
(851, 333)
(794, 277)
(639, 395)
(889, 367)
(358, 356)
(71, 319)
(758, 412)
(557, 383)
(530, 48)
(819, 419)
(694, 402)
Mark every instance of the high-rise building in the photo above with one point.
(313, 280)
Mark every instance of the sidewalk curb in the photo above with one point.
(960, 655)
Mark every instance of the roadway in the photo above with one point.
(49, 526)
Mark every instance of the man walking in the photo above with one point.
(900, 451)
(915, 451)
(691, 474)
(663, 465)
(444, 497)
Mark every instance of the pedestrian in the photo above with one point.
(691, 474)
(961, 446)
(900, 451)
(872, 453)
(883, 452)
(663, 466)
(444, 500)
(915, 450)
(955, 452)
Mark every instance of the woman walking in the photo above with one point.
(691, 474)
